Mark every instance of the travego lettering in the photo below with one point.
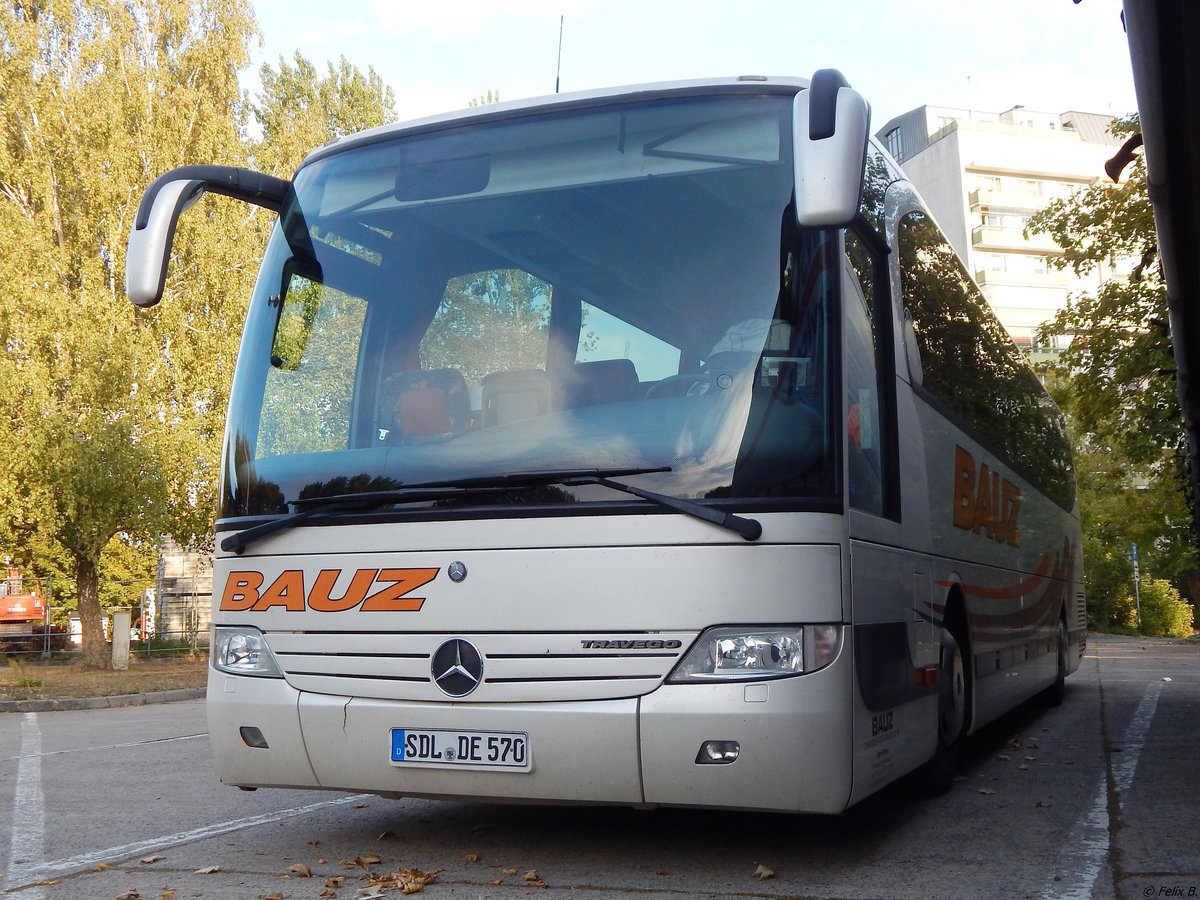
(985, 502)
(371, 590)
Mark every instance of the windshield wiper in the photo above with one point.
(455, 488)
(750, 529)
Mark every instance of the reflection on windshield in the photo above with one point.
(624, 289)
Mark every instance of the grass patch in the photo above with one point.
(37, 680)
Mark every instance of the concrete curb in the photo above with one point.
(7, 706)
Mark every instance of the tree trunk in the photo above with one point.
(96, 654)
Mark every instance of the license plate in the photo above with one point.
(496, 750)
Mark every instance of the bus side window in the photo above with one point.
(971, 368)
(864, 463)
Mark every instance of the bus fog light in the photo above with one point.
(253, 737)
(718, 753)
(744, 654)
(243, 651)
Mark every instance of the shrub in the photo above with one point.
(1164, 612)
(1122, 614)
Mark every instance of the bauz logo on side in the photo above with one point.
(244, 591)
(985, 501)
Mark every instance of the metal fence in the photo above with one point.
(160, 625)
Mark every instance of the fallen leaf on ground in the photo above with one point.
(507, 871)
(274, 895)
(413, 881)
(472, 857)
(763, 872)
(208, 870)
(128, 895)
(168, 894)
(151, 859)
(100, 867)
(531, 875)
(300, 869)
(986, 790)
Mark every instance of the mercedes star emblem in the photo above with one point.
(457, 667)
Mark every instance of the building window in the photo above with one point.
(894, 143)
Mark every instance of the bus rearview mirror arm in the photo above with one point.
(831, 126)
(153, 233)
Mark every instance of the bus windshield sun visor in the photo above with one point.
(750, 529)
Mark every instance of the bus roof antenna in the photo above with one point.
(558, 69)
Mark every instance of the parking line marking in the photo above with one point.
(27, 838)
(82, 862)
(1089, 840)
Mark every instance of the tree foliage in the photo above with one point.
(114, 414)
(488, 321)
(1116, 380)
(1120, 359)
(299, 110)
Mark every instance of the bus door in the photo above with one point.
(893, 635)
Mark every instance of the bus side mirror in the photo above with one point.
(153, 233)
(830, 124)
(150, 241)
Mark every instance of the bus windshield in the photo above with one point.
(620, 287)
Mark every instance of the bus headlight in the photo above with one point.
(240, 650)
(746, 654)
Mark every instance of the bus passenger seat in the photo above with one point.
(423, 406)
(513, 396)
(601, 381)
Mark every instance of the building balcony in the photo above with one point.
(990, 237)
(1050, 279)
(1008, 199)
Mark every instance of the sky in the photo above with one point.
(987, 55)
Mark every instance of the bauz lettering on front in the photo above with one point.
(984, 501)
(372, 590)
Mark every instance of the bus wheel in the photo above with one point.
(938, 773)
(1053, 695)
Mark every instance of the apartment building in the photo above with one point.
(983, 175)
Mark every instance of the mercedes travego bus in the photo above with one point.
(648, 446)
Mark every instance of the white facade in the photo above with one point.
(983, 175)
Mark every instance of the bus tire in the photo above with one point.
(937, 774)
(1053, 695)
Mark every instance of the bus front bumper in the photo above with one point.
(792, 738)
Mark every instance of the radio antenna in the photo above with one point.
(558, 70)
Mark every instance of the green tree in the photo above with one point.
(1117, 383)
(490, 321)
(114, 416)
(298, 110)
